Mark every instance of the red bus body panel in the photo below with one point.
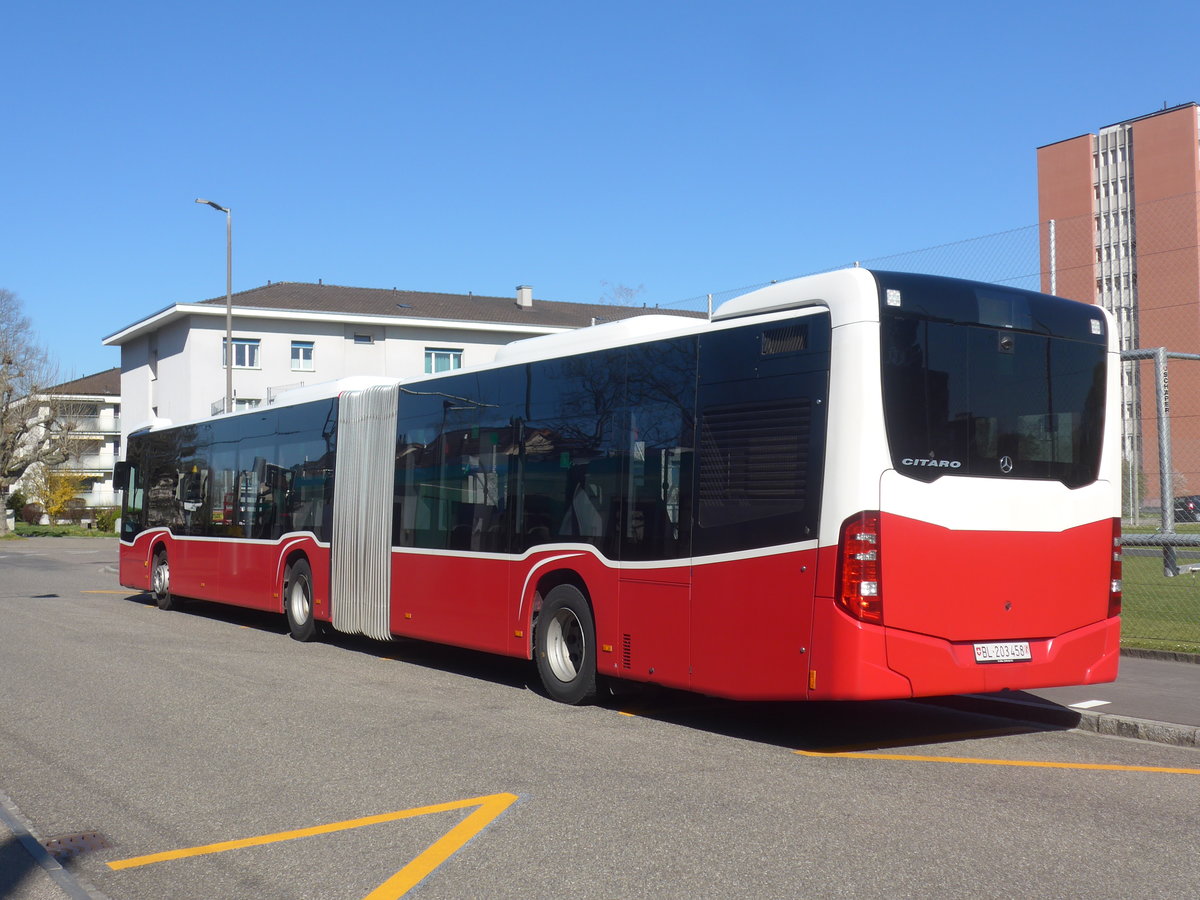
(239, 573)
(944, 590)
(1001, 585)
(746, 628)
(751, 626)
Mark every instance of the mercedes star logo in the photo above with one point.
(1006, 464)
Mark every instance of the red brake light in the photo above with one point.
(859, 588)
(1114, 591)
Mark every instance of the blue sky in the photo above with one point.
(678, 147)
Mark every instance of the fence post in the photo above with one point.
(1053, 260)
(1165, 492)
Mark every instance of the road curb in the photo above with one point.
(1162, 655)
(1043, 712)
(15, 824)
(1140, 729)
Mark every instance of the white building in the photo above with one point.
(290, 334)
(90, 408)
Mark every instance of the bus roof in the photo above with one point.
(597, 337)
(850, 295)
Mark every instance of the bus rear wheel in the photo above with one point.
(565, 646)
(160, 582)
(298, 601)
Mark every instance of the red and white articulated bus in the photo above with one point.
(855, 485)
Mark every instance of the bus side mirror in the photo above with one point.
(121, 476)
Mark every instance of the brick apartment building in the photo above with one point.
(1120, 214)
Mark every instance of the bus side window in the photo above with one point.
(132, 509)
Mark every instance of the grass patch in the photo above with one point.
(24, 530)
(1159, 613)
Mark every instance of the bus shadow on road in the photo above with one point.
(815, 727)
(849, 726)
(475, 664)
(259, 620)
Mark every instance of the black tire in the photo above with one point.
(565, 646)
(160, 582)
(298, 601)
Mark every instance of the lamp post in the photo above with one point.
(228, 301)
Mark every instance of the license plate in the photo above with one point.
(1013, 651)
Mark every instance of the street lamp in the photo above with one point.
(228, 301)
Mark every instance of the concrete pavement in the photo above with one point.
(1155, 698)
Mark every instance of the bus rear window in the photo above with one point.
(973, 399)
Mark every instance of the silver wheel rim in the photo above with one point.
(298, 601)
(565, 645)
(161, 579)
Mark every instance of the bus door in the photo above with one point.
(760, 451)
(655, 441)
(655, 600)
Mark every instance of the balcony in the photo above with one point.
(89, 462)
(93, 424)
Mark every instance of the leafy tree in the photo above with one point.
(33, 431)
(60, 489)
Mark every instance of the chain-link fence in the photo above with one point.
(1141, 261)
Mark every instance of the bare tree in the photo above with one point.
(33, 431)
(620, 294)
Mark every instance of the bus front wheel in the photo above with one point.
(160, 582)
(298, 601)
(565, 646)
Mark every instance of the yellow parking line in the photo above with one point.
(438, 852)
(1030, 764)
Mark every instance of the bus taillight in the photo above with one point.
(1114, 591)
(858, 565)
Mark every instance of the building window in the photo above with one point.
(360, 338)
(442, 359)
(302, 356)
(245, 353)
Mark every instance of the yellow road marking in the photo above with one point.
(444, 847)
(972, 761)
(398, 885)
(122, 593)
(1031, 764)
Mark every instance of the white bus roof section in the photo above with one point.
(598, 337)
(327, 389)
(850, 294)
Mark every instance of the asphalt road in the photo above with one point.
(164, 732)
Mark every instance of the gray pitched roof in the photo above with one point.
(330, 298)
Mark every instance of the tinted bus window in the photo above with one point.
(455, 448)
(571, 444)
(657, 476)
(761, 434)
(970, 400)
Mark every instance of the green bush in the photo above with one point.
(17, 500)
(106, 518)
